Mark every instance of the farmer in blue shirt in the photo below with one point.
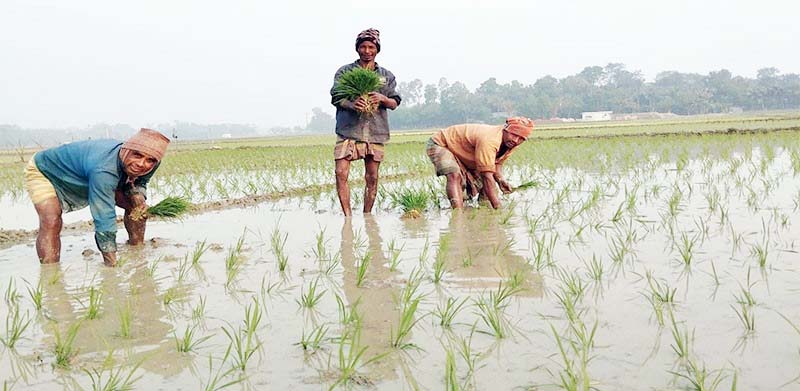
(99, 174)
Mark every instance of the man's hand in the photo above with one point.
(382, 100)
(505, 187)
(110, 259)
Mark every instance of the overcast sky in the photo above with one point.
(75, 63)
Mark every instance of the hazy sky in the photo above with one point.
(74, 63)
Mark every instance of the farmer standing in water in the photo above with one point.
(100, 174)
(362, 136)
(471, 156)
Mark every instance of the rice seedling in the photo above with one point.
(760, 251)
(571, 282)
(357, 83)
(450, 373)
(469, 259)
(492, 317)
(117, 379)
(216, 380)
(37, 295)
(15, 326)
(278, 243)
(170, 207)
(309, 297)
(95, 299)
(466, 352)
(320, 249)
(746, 317)
(243, 346)
(11, 295)
(594, 268)
(332, 265)
(745, 296)
(438, 270)
(700, 378)
(199, 249)
(399, 337)
(447, 312)
(314, 339)
(686, 248)
(681, 339)
(574, 376)
(64, 348)
(660, 292)
(361, 269)
(183, 269)
(411, 287)
(232, 266)
(199, 311)
(394, 255)
(189, 341)
(543, 251)
(153, 266)
(348, 317)
(350, 353)
(125, 315)
(170, 295)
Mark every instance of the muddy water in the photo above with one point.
(480, 249)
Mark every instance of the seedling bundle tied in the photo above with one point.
(355, 83)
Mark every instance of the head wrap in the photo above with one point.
(371, 35)
(519, 126)
(148, 142)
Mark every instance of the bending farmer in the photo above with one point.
(362, 135)
(472, 156)
(100, 174)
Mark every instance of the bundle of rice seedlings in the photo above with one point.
(170, 207)
(355, 83)
(412, 201)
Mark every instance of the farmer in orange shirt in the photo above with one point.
(472, 157)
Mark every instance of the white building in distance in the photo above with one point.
(596, 116)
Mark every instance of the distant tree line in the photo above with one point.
(595, 88)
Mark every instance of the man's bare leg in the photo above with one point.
(48, 240)
(342, 188)
(454, 192)
(371, 179)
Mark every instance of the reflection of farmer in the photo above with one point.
(375, 297)
(472, 155)
(362, 136)
(477, 251)
(100, 174)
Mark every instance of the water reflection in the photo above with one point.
(150, 342)
(375, 297)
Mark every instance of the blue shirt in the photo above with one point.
(89, 173)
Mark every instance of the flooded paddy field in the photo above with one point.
(658, 263)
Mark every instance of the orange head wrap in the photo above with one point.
(519, 126)
(149, 142)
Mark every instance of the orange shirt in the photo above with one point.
(474, 145)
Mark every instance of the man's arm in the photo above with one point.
(101, 204)
(489, 188)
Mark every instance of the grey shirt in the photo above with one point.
(374, 128)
